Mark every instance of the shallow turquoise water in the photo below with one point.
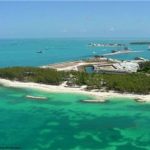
(23, 52)
(64, 123)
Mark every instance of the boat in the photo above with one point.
(93, 101)
(139, 100)
(149, 47)
(39, 52)
(36, 97)
(114, 51)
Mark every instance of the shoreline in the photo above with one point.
(99, 96)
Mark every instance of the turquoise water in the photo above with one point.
(89, 69)
(23, 52)
(64, 123)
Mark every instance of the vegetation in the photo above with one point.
(39, 75)
(145, 67)
(132, 83)
(140, 43)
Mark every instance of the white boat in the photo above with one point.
(36, 97)
(94, 101)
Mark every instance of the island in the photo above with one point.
(128, 79)
(106, 44)
(141, 43)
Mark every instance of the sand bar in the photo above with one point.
(121, 52)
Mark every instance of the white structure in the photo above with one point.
(118, 67)
(127, 66)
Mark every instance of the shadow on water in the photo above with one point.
(97, 133)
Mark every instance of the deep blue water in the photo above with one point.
(23, 52)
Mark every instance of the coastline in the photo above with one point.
(99, 96)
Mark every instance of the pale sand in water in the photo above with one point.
(121, 52)
(61, 89)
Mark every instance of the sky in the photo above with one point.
(74, 19)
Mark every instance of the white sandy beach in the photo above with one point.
(61, 89)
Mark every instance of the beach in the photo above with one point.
(100, 96)
(75, 76)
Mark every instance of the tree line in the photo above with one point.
(132, 83)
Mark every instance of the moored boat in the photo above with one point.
(139, 100)
(40, 52)
(36, 97)
(93, 101)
